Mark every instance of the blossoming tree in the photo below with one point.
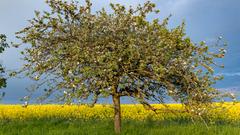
(81, 55)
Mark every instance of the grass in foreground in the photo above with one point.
(105, 127)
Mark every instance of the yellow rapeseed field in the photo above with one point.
(131, 111)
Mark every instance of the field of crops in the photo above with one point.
(133, 112)
(74, 119)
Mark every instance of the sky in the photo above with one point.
(205, 20)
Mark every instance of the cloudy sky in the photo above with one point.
(205, 20)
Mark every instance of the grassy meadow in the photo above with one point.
(83, 120)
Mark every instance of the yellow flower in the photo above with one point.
(129, 111)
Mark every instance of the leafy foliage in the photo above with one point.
(3, 45)
(80, 55)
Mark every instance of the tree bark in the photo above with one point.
(117, 113)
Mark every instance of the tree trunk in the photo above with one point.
(117, 113)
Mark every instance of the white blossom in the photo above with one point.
(65, 92)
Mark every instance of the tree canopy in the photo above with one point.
(3, 82)
(82, 55)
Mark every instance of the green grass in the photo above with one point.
(97, 127)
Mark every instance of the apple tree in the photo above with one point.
(84, 55)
